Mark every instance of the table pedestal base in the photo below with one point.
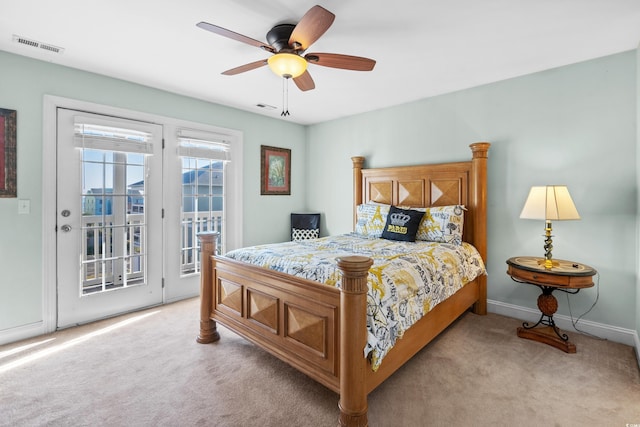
(565, 276)
(546, 331)
(547, 335)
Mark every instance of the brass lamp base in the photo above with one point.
(548, 263)
(548, 246)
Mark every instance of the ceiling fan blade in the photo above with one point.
(345, 62)
(234, 36)
(313, 24)
(304, 82)
(246, 67)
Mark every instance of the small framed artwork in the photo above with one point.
(275, 170)
(8, 153)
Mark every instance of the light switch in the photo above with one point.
(24, 206)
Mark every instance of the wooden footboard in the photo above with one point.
(318, 329)
(294, 319)
(321, 330)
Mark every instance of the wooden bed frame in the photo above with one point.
(321, 330)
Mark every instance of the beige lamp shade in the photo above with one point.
(551, 203)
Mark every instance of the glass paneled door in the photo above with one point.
(109, 216)
(197, 175)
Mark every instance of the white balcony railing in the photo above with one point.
(113, 255)
(104, 267)
(192, 224)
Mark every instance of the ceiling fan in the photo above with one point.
(288, 42)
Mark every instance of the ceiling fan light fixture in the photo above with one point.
(287, 65)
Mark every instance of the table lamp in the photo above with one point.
(549, 202)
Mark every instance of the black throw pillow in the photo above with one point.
(402, 224)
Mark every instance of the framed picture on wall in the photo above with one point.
(8, 160)
(275, 170)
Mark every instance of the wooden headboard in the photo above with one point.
(463, 183)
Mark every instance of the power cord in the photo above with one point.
(575, 322)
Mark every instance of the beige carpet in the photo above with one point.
(151, 372)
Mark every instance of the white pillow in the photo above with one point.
(442, 224)
(370, 219)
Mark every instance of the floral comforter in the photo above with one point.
(407, 279)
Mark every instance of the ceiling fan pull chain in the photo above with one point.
(287, 94)
(285, 97)
(282, 114)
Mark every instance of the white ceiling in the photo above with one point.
(422, 47)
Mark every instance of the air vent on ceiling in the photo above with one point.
(265, 106)
(33, 43)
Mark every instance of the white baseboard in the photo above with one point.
(22, 332)
(637, 339)
(600, 330)
(611, 333)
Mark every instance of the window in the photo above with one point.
(113, 231)
(204, 156)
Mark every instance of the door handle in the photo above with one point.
(66, 228)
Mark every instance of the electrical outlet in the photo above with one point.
(24, 206)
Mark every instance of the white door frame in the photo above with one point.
(77, 175)
(49, 268)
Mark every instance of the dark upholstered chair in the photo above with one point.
(305, 226)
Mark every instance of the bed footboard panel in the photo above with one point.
(294, 319)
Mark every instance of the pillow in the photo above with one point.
(402, 224)
(442, 224)
(304, 234)
(370, 219)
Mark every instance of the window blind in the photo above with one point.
(203, 145)
(113, 135)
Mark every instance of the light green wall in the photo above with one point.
(23, 84)
(574, 125)
(638, 200)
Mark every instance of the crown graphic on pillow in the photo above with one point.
(399, 219)
(402, 224)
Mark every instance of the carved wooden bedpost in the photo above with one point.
(208, 332)
(353, 339)
(479, 194)
(358, 162)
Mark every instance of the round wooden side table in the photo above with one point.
(564, 276)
